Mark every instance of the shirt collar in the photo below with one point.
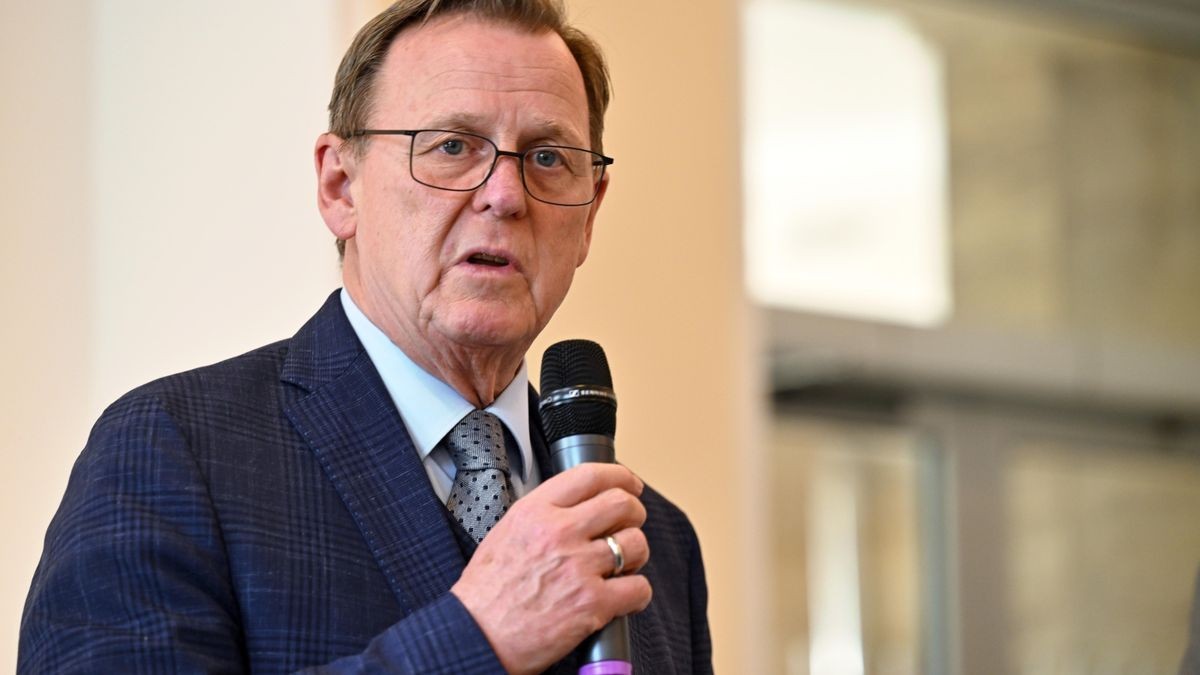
(429, 407)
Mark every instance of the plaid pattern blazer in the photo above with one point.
(269, 514)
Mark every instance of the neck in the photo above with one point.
(479, 373)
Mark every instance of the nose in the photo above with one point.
(504, 191)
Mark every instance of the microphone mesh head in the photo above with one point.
(570, 364)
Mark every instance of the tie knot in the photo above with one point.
(477, 442)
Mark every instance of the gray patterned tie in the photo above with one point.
(481, 492)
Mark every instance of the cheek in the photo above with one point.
(559, 260)
(576, 251)
(411, 225)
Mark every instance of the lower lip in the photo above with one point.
(488, 270)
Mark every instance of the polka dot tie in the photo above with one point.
(481, 492)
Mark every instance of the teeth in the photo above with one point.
(488, 259)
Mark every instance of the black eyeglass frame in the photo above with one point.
(601, 161)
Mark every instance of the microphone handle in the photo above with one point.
(608, 651)
(571, 451)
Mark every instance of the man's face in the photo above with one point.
(413, 263)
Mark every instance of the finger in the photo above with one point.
(627, 594)
(588, 480)
(610, 511)
(635, 552)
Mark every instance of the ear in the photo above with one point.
(336, 171)
(593, 208)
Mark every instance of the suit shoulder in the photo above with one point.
(239, 389)
(238, 377)
(664, 517)
(653, 499)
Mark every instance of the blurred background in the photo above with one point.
(902, 297)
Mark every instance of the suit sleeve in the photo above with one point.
(701, 640)
(419, 644)
(134, 576)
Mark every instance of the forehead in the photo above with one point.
(502, 77)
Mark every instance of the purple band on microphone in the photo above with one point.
(607, 668)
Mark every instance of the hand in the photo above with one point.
(539, 582)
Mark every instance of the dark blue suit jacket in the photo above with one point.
(268, 514)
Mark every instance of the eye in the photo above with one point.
(546, 158)
(447, 144)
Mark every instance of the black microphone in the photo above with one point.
(579, 414)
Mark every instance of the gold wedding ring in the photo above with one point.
(618, 556)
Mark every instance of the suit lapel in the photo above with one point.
(345, 414)
(537, 437)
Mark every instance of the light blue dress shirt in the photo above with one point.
(430, 408)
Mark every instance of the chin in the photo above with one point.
(490, 328)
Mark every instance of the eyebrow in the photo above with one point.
(543, 129)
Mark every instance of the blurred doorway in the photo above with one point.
(971, 226)
(939, 532)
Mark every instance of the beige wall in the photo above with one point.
(158, 200)
(662, 289)
(43, 359)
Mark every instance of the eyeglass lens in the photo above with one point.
(460, 161)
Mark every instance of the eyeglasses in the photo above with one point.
(461, 162)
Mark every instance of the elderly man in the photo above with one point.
(309, 504)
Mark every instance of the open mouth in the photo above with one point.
(487, 259)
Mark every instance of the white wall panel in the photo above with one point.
(207, 238)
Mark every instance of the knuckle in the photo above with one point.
(615, 498)
(647, 592)
(596, 622)
(639, 512)
(593, 470)
(619, 497)
(589, 477)
(640, 542)
(544, 535)
(632, 513)
(558, 531)
(637, 552)
(581, 565)
(589, 598)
